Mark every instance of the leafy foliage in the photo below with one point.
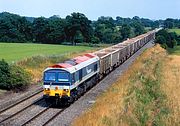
(13, 77)
(78, 22)
(18, 77)
(14, 28)
(4, 74)
(167, 39)
(75, 28)
(125, 31)
(171, 23)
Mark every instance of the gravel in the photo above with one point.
(10, 97)
(20, 106)
(42, 119)
(25, 115)
(86, 101)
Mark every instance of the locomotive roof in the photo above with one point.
(75, 63)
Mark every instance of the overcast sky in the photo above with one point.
(153, 9)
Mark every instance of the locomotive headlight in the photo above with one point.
(66, 90)
(47, 89)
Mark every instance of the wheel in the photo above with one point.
(84, 88)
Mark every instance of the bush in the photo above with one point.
(160, 39)
(178, 40)
(164, 45)
(174, 43)
(19, 78)
(166, 39)
(4, 74)
(13, 77)
(95, 40)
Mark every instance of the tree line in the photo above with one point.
(167, 39)
(172, 23)
(75, 28)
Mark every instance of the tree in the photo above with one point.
(125, 31)
(169, 23)
(160, 40)
(138, 28)
(164, 33)
(14, 28)
(78, 22)
(106, 30)
(74, 28)
(56, 33)
(167, 39)
(95, 40)
(40, 29)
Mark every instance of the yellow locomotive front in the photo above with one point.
(68, 80)
(56, 83)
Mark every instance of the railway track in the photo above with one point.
(41, 120)
(21, 100)
(36, 116)
(21, 113)
(15, 109)
(53, 117)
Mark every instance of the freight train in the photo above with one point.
(69, 80)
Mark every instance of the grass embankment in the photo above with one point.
(146, 94)
(175, 30)
(171, 86)
(174, 51)
(2, 91)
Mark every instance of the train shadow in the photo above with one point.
(52, 104)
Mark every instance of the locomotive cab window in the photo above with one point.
(50, 76)
(63, 76)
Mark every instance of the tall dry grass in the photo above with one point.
(118, 106)
(171, 86)
(37, 64)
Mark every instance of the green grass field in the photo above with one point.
(13, 52)
(174, 51)
(175, 30)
